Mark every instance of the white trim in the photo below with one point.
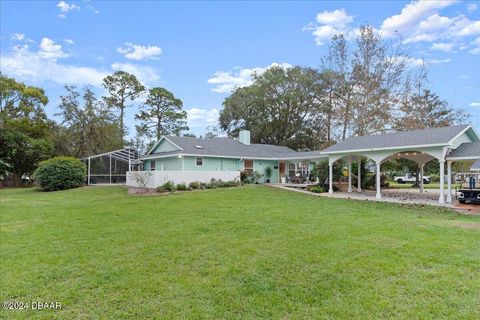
(160, 140)
(463, 158)
(154, 165)
(383, 149)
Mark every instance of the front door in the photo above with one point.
(281, 170)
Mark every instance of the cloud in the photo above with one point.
(476, 46)
(45, 64)
(40, 66)
(411, 15)
(415, 62)
(475, 104)
(472, 7)
(197, 117)
(227, 81)
(18, 37)
(50, 50)
(65, 8)
(146, 75)
(420, 21)
(445, 47)
(68, 41)
(139, 52)
(329, 23)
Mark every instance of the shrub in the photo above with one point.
(230, 183)
(194, 185)
(161, 190)
(316, 189)
(211, 185)
(203, 185)
(434, 177)
(257, 176)
(182, 187)
(268, 173)
(60, 173)
(246, 177)
(169, 186)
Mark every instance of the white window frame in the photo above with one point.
(196, 163)
(152, 168)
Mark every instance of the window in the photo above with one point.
(152, 165)
(248, 166)
(199, 161)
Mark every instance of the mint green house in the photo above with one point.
(185, 159)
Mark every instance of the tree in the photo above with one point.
(122, 87)
(22, 108)
(88, 125)
(280, 107)
(336, 69)
(162, 114)
(421, 108)
(21, 154)
(19, 101)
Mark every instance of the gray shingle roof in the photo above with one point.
(467, 149)
(475, 166)
(399, 139)
(232, 148)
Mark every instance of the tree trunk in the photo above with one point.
(346, 119)
(122, 131)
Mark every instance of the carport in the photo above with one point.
(445, 144)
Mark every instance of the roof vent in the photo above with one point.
(198, 147)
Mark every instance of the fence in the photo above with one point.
(153, 179)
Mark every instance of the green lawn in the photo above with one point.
(251, 252)
(432, 185)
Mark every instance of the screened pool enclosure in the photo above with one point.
(111, 167)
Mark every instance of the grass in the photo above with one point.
(250, 252)
(431, 185)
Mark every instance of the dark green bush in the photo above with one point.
(169, 186)
(182, 187)
(194, 185)
(60, 173)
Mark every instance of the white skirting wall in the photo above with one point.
(153, 179)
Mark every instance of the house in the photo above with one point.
(182, 159)
(186, 159)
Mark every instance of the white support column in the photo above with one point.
(110, 169)
(330, 177)
(359, 174)
(421, 178)
(441, 199)
(449, 181)
(88, 173)
(378, 195)
(349, 175)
